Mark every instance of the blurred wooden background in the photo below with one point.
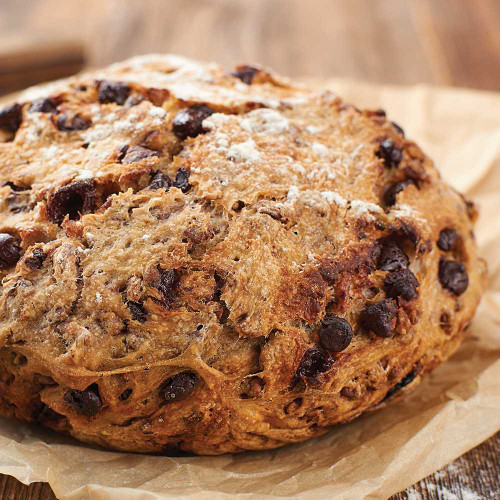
(445, 42)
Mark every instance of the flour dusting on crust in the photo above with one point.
(212, 261)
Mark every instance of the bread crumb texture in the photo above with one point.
(211, 261)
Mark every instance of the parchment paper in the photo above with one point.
(452, 410)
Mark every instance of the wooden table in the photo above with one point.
(446, 42)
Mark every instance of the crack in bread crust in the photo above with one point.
(209, 262)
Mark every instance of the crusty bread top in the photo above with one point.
(167, 215)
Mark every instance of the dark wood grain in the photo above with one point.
(448, 42)
(477, 472)
(11, 489)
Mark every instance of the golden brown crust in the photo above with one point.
(219, 262)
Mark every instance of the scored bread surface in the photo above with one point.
(210, 261)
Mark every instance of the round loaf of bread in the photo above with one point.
(208, 261)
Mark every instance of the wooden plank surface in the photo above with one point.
(446, 42)
(449, 42)
(27, 60)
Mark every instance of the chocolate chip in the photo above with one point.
(134, 154)
(402, 283)
(178, 387)
(390, 153)
(159, 180)
(10, 252)
(181, 180)
(113, 92)
(390, 195)
(67, 124)
(72, 199)
(245, 74)
(138, 312)
(391, 257)
(189, 122)
(11, 118)
(447, 238)
(380, 318)
(313, 363)
(35, 261)
(43, 106)
(398, 129)
(125, 395)
(402, 383)
(335, 333)
(348, 393)
(168, 284)
(87, 403)
(453, 276)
